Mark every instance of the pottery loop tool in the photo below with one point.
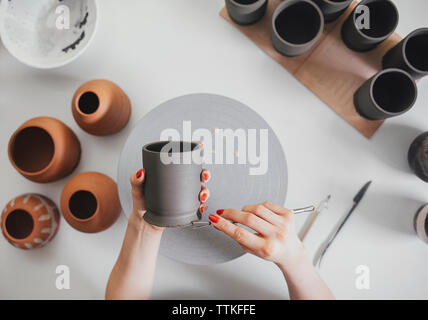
(310, 221)
(202, 224)
(356, 201)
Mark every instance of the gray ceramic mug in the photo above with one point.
(173, 182)
(296, 27)
(411, 54)
(387, 94)
(332, 9)
(246, 12)
(383, 20)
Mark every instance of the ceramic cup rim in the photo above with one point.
(406, 40)
(283, 6)
(373, 81)
(33, 64)
(420, 219)
(196, 145)
(93, 215)
(23, 240)
(363, 2)
(256, 3)
(100, 112)
(337, 3)
(20, 170)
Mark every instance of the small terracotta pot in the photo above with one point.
(100, 107)
(30, 221)
(44, 150)
(90, 202)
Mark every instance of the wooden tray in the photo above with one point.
(330, 70)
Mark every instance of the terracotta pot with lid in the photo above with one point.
(90, 202)
(101, 107)
(44, 150)
(30, 221)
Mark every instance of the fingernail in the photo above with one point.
(206, 176)
(220, 211)
(213, 218)
(140, 173)
(203, 208)
(204, 196)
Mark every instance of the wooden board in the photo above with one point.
(330, 70)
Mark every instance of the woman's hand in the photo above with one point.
(139, 205)
(276, 239)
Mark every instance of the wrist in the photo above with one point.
(137, 221)
(294, 260)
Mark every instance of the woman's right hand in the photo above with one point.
(276, 239)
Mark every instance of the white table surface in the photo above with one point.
(160, 49)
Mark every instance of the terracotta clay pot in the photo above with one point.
(44, 150)
(30, 221)
(100, 107)
(90, 202)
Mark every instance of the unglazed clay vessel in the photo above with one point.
(383, 22)
(411, 54)
(44, 150)
(296, 27)
(90, 202)
(172, 189)
(421, 223)
(418, 156)
(387, 94)
(100, 107)
(332, 9)
(30, 221)
(245, 12)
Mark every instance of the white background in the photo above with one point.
(160, 49)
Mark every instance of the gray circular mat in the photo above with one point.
(231, 185)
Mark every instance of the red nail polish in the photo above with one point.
(213, 218)
(203, 209)
(220, 211)
(204, 197)
(139, 173)
(205, 175)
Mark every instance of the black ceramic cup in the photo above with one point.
(383, 22)
(418, 156)
(389, 93)
(420, 223)
(245, 12)
(411, 54)
(296, 27)
(173, 182)
(332, 9)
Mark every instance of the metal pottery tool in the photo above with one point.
(202, 224)
(310, 221)
(357, 199)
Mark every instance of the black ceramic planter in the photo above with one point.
(389, 93)
(172, 183)
(332, 9)
(411, 54)
(383, 22)
(296, 27)
(420, 223)
(245, 12)
(418, 156)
